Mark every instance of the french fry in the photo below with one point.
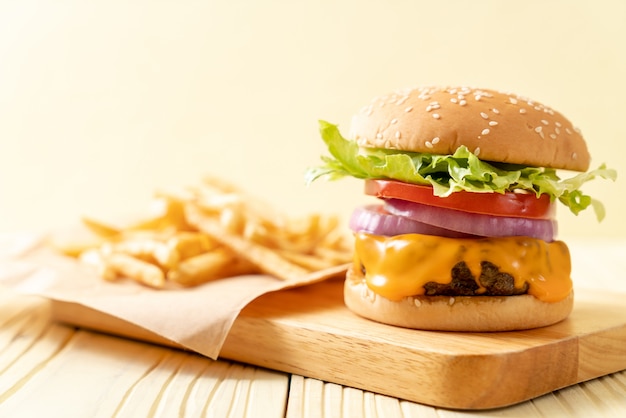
(209, 266)
(149, 250)
(165, 213)
(254, 207)
(334, 255)
(190, 244)
(232, 219)
(96, 259)
(308, 261)
(138, 270)
(100, 228)
(74, 241)
(267, 260)
(221, 185)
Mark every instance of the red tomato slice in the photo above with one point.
(520, 205)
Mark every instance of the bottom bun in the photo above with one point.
(454, 313)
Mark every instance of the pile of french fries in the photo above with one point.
(211, 231)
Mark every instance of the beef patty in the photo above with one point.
(494, 282)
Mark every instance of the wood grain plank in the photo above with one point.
(28, 342)
(603, 397)
(312, 398)
(605, 394)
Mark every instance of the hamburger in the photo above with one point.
(462, 231)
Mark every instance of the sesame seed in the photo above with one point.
(477, 151)
(574, 155)
(451, 301)
(496, 111)
(545, 122)
(453, 100)
(484, 115)
(379, 136)
(513, 100)
(417, 302)
(429, 144)
(485, 131)
(398, 134)
(436, 116)
(522, 111)
(553, 136)
(557, 131)
(558, 124)
(477, 97)
(539, 130)
(408, 109)
(394, 121)
(568, 131)
(462, 103)
(492, 123)
(435, 140)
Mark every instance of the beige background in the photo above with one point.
(102, 102)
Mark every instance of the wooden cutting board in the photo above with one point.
(308, 331)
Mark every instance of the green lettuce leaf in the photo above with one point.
(451, 173)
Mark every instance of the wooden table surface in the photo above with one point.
(53, 370)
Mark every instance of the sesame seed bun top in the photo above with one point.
(496, 126)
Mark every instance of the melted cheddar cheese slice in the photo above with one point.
(399, 266)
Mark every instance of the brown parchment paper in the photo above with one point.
(197, 318)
